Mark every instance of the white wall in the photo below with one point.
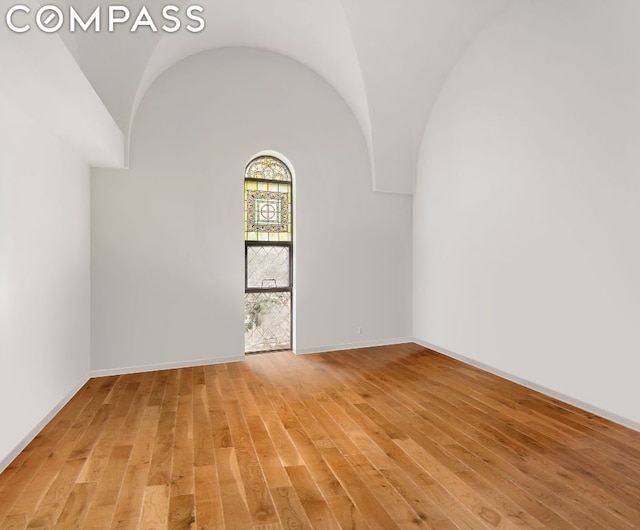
(44, 276)
(325, 45)
(41, 76)
(526, 247)
(167, 234)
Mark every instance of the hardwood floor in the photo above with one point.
(393, 437)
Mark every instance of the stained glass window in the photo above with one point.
(268, 201)
(267, 168)
(268, 230)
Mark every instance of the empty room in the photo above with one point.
(271, 264)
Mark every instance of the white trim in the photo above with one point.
(534, 386)
(165, 366)
(354, 345)
(4, 463)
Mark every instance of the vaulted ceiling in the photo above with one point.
(387, 58)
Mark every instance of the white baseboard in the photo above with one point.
(165, 366)
(4, 463)
(353, 345)
(621, 420)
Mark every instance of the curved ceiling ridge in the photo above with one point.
(325, 46)
(387, 59)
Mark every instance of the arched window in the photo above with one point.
(268, 235)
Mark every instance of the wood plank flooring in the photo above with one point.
(379, 438)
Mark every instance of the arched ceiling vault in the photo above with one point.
(387, 58)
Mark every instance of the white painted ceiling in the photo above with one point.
(387, 58)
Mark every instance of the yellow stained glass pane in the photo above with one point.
(268, 201)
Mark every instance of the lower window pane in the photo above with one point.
(267, 323)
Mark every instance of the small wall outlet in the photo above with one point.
(359, 330)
